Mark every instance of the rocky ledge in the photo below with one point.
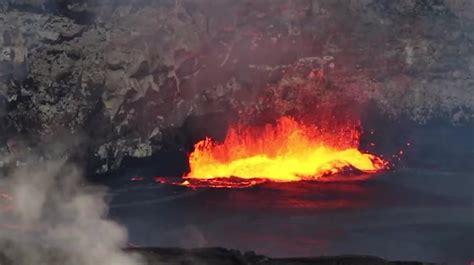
(210, 256)
(221, 256)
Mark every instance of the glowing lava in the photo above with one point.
(286, 151)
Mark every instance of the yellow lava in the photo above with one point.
(286, 151)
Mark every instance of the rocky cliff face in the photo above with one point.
(116, 75)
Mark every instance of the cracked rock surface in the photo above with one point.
(115, 76)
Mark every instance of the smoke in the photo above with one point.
(49, 215)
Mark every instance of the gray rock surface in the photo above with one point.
(116, 75)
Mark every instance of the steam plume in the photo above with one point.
(55, 218)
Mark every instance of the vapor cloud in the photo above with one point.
(54, 217)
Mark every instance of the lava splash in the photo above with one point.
(286, 151)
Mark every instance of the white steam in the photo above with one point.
(52, 217)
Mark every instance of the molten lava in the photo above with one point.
(286, 151)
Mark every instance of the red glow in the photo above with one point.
(6, 205)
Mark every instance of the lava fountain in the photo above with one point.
(286, 151)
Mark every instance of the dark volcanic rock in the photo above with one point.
(117, 74)
(205, 256)
(221, 256)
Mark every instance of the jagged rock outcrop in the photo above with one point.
(118, 74)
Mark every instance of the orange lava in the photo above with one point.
(283, 152)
